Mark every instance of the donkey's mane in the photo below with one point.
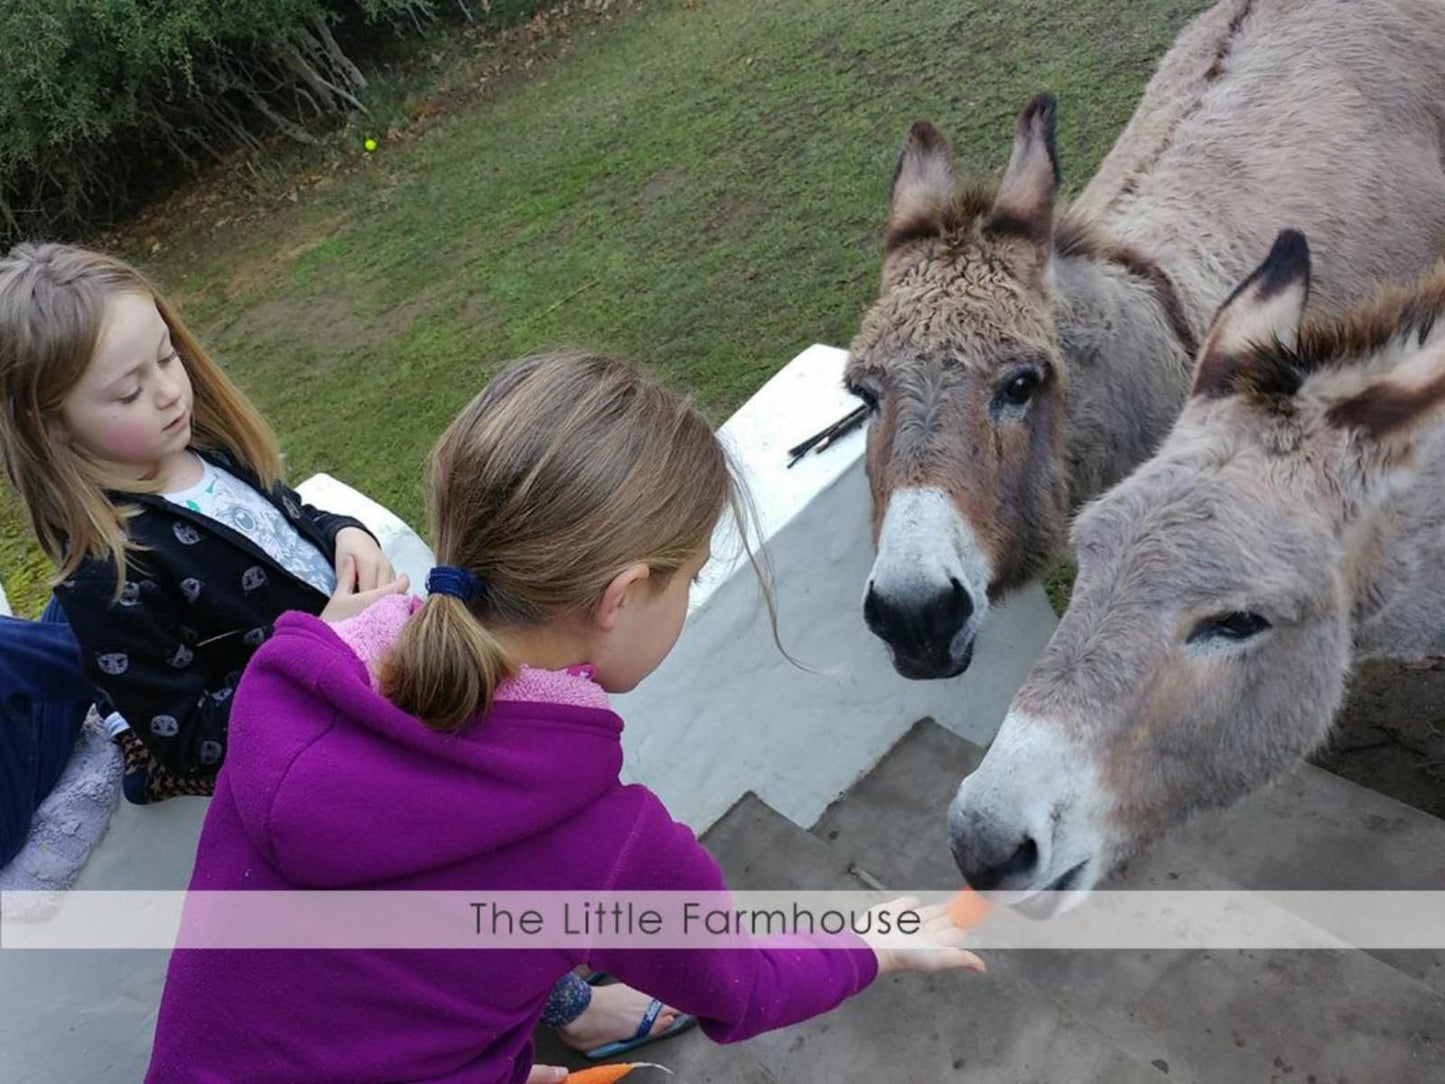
(1072, 236)
(1274, 370)
(970, 203)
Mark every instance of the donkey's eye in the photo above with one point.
(1229, 627)
(1019, 389)
(869, 397)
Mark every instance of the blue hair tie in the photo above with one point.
(450, 580)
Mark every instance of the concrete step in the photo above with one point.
(1236, 1016)
(760, 849)
(909, 1027)
(904, 1028)
(1311, 831)
(894, 821)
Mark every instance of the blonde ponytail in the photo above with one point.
(445, 666)
(563, 471)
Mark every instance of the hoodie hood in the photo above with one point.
(320, 762)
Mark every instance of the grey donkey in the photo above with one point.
(1292, 522)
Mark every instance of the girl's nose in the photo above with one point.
(168, 388)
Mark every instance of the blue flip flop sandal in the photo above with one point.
(684, 1022)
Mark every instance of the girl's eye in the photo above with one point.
(131, 398)
(172, 356)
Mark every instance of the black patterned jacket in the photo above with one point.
(199, 599)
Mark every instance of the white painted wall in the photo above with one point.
(726, 713)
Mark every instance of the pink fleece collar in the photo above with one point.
(372, 632)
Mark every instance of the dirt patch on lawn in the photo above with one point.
(326, 323)
(1390, 736)
(658, 185)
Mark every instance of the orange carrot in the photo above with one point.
(606, 1074)
(968, 908)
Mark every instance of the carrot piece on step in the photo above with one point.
(603, 1074)
(968, 908)
(606, 1074)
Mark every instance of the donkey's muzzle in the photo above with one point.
(921, 631)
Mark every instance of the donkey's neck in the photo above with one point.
(1128, 369)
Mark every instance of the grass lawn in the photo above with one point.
(696, 186)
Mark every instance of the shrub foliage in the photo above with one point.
(103, 101)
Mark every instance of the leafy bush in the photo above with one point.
(102, 99)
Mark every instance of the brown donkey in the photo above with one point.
(1292, 521)
(1018, 361)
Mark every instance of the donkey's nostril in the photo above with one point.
(983, 874)
(959, 609)
(943, 616)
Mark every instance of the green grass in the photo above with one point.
(1059, 585)
(698, 190)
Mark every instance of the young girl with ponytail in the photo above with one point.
(466, 743)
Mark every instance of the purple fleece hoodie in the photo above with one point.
(328, 785)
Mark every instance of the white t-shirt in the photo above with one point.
(223, 497)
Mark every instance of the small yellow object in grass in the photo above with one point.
(606, 1074)
(370, 144)
(968, 908)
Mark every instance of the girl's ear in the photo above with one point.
(617, 595)
(57, 430)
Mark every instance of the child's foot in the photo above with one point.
(614, 1015)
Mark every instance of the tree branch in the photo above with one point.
(334, 51)
(288, 128)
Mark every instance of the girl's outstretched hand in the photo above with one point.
(937, 946)
(372, 568)
(348, 601)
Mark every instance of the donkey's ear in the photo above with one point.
(923, 186)
(1024, 206)
(1389, 419)
(1265, 308)
(1395, 412)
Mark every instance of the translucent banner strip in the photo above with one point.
(1217, 920)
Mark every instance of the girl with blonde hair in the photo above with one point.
(466, 743)
(156, 488)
